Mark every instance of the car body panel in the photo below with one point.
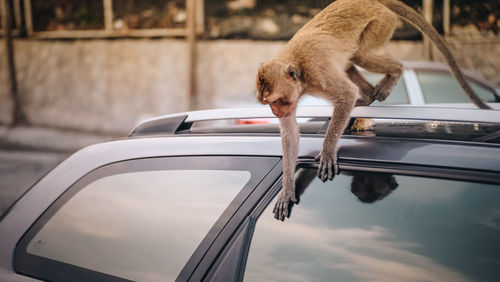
(465, 160)
(366, 149)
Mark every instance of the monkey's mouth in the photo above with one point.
(281, 108)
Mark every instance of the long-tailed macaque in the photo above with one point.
(319, 60)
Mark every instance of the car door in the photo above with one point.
(376, 222)
(149, 219)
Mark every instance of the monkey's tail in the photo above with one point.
(417, 20)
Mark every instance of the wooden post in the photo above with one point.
(17, 13)
(427, 11)
(108, 15)
(446, 17)
(18, 116)
(28, 19)
(191, 41)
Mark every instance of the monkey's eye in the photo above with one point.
(291, 73)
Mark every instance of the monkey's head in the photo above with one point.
(371, 187)
(279, 86)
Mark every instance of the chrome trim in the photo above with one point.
(415, 94)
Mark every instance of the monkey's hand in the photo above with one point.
(328, 166)
(286, 199)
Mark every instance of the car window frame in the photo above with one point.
(238, 247)
(44, 268)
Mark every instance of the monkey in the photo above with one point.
(320, 60)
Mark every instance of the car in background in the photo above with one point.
(189, 197)
(424, 83)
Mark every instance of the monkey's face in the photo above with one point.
(279, 87)
(282, 108)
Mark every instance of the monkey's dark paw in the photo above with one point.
(381, 92)
(284, 205)
(328, 166)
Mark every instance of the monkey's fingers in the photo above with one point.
(282, 206)
(331, 168)
(322, 170)
(278, 210)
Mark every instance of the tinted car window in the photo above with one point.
(141, 225)
(440, 87)
(380, 227)
(145, 219)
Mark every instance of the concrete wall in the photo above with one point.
(109, 85)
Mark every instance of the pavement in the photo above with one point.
(27, 138)
(28, 153)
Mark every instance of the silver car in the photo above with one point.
(428, 83)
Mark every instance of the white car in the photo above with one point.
(425, 83)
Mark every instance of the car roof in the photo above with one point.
(424, 135)
(182, 122)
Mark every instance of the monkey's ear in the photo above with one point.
(293, 72)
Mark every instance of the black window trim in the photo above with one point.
(234, 226)
(248, 223)
(47, 269)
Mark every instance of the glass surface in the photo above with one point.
(141, 226)
(379, 227)
(440, 87)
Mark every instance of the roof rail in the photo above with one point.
(170, 124)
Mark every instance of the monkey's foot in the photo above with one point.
(384, 87)
(328, 166)
(365, 101)
(284, 204)
(381, 92)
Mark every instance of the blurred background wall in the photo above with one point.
(103, 65)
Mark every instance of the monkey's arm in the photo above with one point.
(290, 145)
(341, 112)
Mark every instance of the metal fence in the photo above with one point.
(15, 16)
(102, 18)
(214, 19)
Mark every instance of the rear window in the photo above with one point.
(138, 220)
(441, 87)
(139, 225)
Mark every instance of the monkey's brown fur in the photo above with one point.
(319, 60)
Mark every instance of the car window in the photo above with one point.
(441, 87)
(398, 96)
(381, 227)
(140, 225)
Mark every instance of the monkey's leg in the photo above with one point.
(380, 64)
(290, 144)
(365, 87)
(342, 95)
